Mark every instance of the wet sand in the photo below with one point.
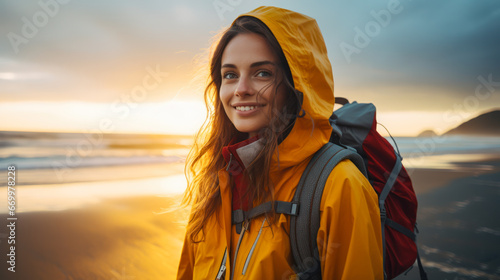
(458, 222)
(426, 180)
(114, 239)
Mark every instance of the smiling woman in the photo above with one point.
(270, 96)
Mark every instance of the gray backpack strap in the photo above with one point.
(280, 207)
(304, 227)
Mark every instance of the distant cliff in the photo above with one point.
(485, 124)
(427, 133)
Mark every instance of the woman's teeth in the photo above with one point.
(245, 108)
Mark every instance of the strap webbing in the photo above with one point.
(423, 275)
(421, 270)
(280, 207)
(401, 229)
(391, 180)
(383, 195)
(304, 227)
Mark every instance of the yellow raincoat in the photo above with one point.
(349, 238)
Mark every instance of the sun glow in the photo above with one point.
(7, 76)
(168, 117)
(180, 117)
(411, 123)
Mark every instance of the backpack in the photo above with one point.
(354, 137)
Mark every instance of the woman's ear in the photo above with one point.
(300, 112)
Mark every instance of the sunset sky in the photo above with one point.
(134, 66)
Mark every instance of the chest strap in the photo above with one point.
(280, 207)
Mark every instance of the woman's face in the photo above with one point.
(248, 70)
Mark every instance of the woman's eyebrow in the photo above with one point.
(260, 63)
(255, 64)
(228, 66)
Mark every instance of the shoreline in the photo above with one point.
(427, 179)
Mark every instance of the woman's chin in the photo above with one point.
(249, 131)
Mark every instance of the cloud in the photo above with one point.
(95, 50)
(444, 44)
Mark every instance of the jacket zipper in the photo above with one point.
(222, 269)
(253, 248)
(244, 229)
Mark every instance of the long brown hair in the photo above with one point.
(205, 158)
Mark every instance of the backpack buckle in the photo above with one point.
(383, 214)
(294, 209)
(238, 216)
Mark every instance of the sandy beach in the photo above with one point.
(459, 229)
(115, 239)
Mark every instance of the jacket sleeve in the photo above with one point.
(186, 263)
(349, 239)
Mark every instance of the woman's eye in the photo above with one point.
(229, 75)
(264, 74)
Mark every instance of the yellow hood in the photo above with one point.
(305, 50)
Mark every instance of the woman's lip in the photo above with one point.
(246, 104)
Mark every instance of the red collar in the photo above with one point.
(236, 167)
(236, 164)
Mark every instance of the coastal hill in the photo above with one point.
(487, 124)
(427, 133)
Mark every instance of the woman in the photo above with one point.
(270, 96)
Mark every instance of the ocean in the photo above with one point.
(61, 152)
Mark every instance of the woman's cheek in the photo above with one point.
(224, 94)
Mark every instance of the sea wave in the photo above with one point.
(440, 145)
(33, 150)
(59, 161)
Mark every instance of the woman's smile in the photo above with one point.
(248, 86)
(248, 109)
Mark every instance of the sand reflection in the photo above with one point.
(58, 197)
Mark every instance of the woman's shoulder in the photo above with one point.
(345, 183)
(347, 170)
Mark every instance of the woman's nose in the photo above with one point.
(244, 87)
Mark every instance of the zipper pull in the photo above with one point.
(222, 269)
(222, 272)
(245, 226)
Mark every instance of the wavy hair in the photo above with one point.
(205, 158)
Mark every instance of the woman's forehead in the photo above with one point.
(246, 49)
